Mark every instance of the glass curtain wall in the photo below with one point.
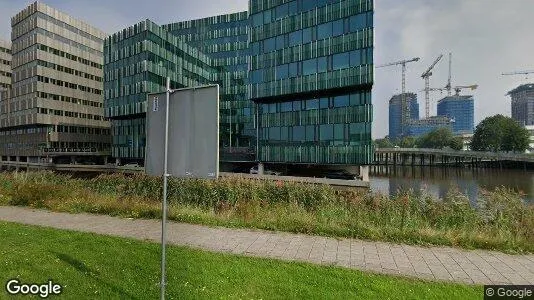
(311, 73)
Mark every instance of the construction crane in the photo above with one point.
(448, 87)
(459, 88)
(519, 73)
(405, 116)
(426, 76)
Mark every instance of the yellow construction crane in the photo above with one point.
(405, 116)
(519, 73)
(426, 76)
(459, 88)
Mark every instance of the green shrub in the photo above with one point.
(501, 220)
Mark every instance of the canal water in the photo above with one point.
(439, 181)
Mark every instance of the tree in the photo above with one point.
(407, 142)
(383, 143)
(456, 143)
(440, 138)
(500, 133)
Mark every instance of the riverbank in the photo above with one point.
(501, 221)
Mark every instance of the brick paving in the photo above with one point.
(432, 263)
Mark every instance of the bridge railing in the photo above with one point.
(460, 153)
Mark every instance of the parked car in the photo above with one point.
(135, 165)
(254, 170)
(340, 174)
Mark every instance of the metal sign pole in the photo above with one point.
(165, 181)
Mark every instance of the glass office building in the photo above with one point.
(523, 104)
(224, 39)
(311, 75)
(461, 110)
(395, 114)
(417, 128)
(295, 78)
(138, 60)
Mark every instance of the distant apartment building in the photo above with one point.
(5, 65)
(460, 109)
(395, 114)
(417, 128)
(5, 75)
(523, 104)
(530, 129)
(56, 103)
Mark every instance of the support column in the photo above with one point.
(117, 162)
(364, 173)
(261, 169)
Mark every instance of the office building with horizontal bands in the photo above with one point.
(5, 65)
(311, 74)
(523, 104)
(295, 79)
(5, 75)
(417, 128)
(56, 103)
(461, 111)
(395, 114)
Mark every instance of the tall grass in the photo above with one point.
(501, 220)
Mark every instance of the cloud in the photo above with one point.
(487, 38)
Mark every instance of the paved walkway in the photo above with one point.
(436, 263)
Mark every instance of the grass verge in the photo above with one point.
(501, 221)
(90, 266)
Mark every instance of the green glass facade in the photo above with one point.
(224, 39)
(137, 61)
(295, 79)
(311, 73)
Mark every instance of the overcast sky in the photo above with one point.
(487, 38)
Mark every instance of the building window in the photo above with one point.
(326, 132)
(286, 106)
(355, 58)
(293, 69)
(322, 64)
(338, 27)
(309, 66)
(312, 104)
(310, 133)
(295, 38)
(324, 30)
(341, 101)
(307, 35)
(324, 103)
(282, 72)
(340, 61)
(299, 134)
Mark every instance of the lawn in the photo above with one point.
(90, 266)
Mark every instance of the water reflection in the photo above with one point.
(439, 181)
